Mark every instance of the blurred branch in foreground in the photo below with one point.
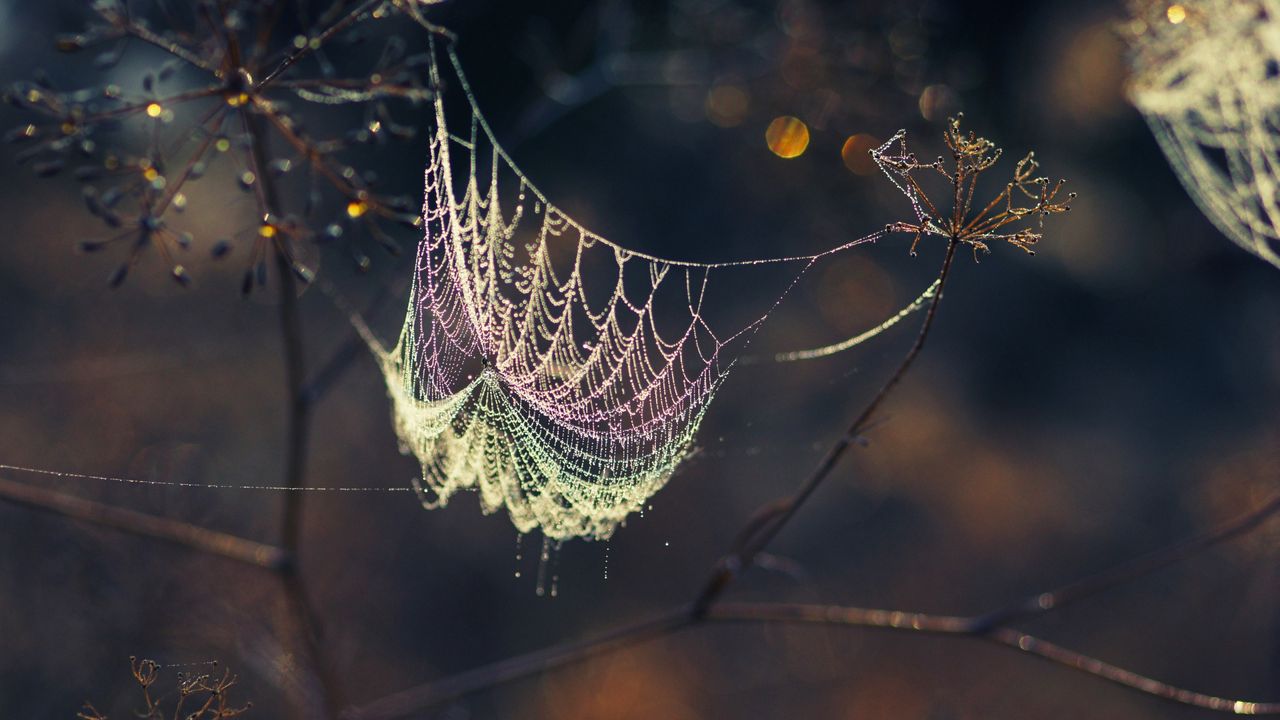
(992, 626)
(123, 519)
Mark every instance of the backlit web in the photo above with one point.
(1206, 75)
(559, 375)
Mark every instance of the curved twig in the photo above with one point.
(169, 530)
(298, 433)
(991, 626)
(768, 527)
(969, 627)
(453, 687)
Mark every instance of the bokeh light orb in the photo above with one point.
(787, 136)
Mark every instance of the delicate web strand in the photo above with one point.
(828, 350)
(483, 124)
(210, 486)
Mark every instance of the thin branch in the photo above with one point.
(767, 527)
(1143, 565)
(142, 33)
(342, 359)
(1008, 637)
(351, 350)
(318, 41)
(172, 531)
(977, 626)
(298, 429)
(972, 155)
(416, 699)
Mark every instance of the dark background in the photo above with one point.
(1107, 396)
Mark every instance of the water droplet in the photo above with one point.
(555, 570)
(543, 559)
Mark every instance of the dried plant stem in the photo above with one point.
(338, 26)
(297, 432)
(300, 608)
(970, 627)
(168, 530)
(343, 358)
(299, 408)
(1140, 566)
(770, 520)
(352, 349)
(416, 699)
(991, 626)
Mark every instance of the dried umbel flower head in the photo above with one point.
(1206, 75)
(1027, 197)
(234, 83)
(195, 695)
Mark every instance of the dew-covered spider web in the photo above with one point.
(1206, 75)
(560, 375)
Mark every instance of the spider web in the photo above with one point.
(560, 375)
(1209, 86)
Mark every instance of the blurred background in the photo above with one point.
(1109, 395)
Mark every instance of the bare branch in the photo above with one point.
(991, 626)
(969, 627)
(424, 696)
(298, 431)
(1044, 602)
(138, 523)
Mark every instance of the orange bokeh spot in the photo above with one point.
(788, 137)
(856, 154)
